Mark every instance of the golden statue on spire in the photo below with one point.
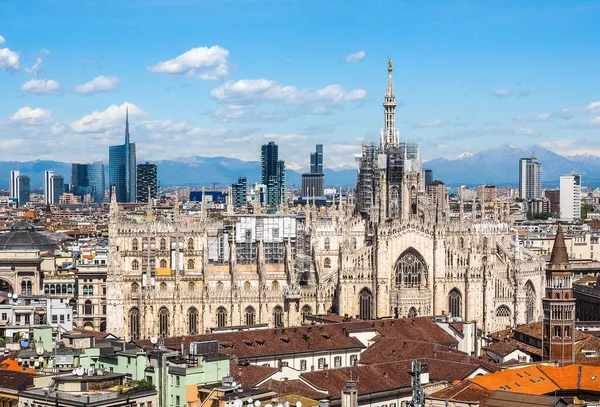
(390, 65)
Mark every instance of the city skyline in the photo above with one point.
(226, 98)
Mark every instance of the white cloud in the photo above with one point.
(9, 59)
(34, 68)
(433, 123)
(284, 137)
(262, 90)
(98, 84)
(207, 63)
(502, 93)
(524, 131)
(593, 108)
(31, 117)
(41, 87)
(111, 118)
(2, 40)
(356, 56)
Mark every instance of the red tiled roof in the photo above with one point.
(250, 375)
(15, 380)
(501, 348)
(464, 391)
(292, 387)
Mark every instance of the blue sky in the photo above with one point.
(219, 78)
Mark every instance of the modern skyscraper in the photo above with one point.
(273, 173)
(238, 190)
(313, 182)
(147, 178)
(54, 187)
(530, 178)
(428, 178)
(122, 168)
(88, 179)
(558, 304)
(14, 185)
(316, 160)
(24, 189)
(570, 197)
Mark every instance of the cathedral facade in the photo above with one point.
(388, 250)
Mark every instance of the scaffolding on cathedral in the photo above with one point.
(367, 178)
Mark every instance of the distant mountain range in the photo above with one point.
(498, 166)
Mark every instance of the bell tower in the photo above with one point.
(558, 340)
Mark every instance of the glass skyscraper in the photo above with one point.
(88, 179)
(313, 182)
(147, 178)
(24, 189)
(273, 173)
(122, 169)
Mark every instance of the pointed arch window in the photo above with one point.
(306, 310)
(275, 286)
(327, 244)
(135, 265)
(411, 270)
(278, 316)
(327, 263)
(192, 321)
(354, 243)
(163, 244)
(134, 288)
(190, 244)
(134, 245)
(191, 286)
(163, 322)
(366, 304)
(412, 312)
(249, 316)
(221, 317)
(455, 303)
(134, 324)
(530, 300)
(163, 264)
(163, 287)
(190, 264)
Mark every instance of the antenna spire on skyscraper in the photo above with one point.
(127, 124)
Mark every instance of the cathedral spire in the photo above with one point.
(389, 136)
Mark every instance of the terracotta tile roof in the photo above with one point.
(250, 375)
(559, 255)
(501, 348)
(528, 379)
(464, 391)
(265, 342)
(95, 334)
(508, 399)
(297, 387)
(587, 279)
(10, 379)
(12, 364)
(385, 376)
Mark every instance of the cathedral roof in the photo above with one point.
(559, 250)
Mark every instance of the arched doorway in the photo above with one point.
(6, 286)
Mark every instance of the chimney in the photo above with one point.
(312, 368)
(325, 366)
(385, 375)
(240, 371)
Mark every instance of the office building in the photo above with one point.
(428, 178)
(87, 181)
(147, 180)
(313, 182)
(24, 183)
(14, 185)
(273, 174)
(439, 194)
(530, 178)
(570, 197)
(122, 168)
(239, 192)
(316, 160)
(54, 187)
(553, 197)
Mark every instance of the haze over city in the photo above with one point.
(220, 78)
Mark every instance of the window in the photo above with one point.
(353, 359)
(454, 303)
(191, 286)
(192, 321)
(278, 316)
(177, 381)
(354, 243)
(134, 324)
(190, 264)
(55, 319)
(135, 265)
(303, 364)
(366, 304)
(306, 310)
(221, 317)
(88, 308)
(412, 312)
(530, 302)
(163, 322)
(285, 364)
(28, 319)
(411, 270)
(327, 263)
(163, 244)
(249, 316)
(134, 288)
(177, 401)
(61, 318)
(190, 244)
(26, 287)
(163, 287)
(337, 361)
(275, 286)
(327, 245)
(163, 264)
(321, 363)
(134, 245)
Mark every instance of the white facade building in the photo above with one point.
(48, 187)
(570, 197)
(14, 184)
(530, 178)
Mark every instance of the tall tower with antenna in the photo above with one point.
(389, 136)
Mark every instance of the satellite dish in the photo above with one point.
(268, 405)
(257, 403)
(233, 384)
(80, 371)
(250, 400)
(39, 350)
(20, 360)
(14, 296)
(41, 359)
(298, 404)
(74, 371)
(154, 340)
(238, 403)
(9, 295)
